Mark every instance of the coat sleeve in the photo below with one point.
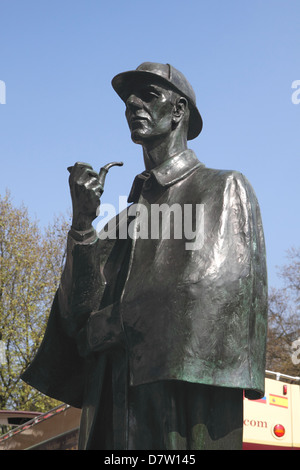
(57, 369)
(242, 277)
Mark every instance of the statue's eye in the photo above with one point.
(149, 94)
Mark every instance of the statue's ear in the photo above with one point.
(180, 107)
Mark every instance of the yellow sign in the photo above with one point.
(278, 400)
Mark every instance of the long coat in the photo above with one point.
(184, 309)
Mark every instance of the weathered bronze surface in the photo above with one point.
(156, 331)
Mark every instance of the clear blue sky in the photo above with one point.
(58, 58)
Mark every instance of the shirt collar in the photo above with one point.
(169, 172)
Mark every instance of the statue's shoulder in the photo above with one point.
(221, 176)
(212, 181)
(219, 173)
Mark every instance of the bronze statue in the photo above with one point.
(156, 337)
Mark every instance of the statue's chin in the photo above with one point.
(137, 136)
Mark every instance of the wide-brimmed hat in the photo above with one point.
(123, 84)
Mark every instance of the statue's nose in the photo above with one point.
(133, 101)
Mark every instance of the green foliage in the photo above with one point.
(31, 262)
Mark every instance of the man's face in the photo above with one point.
(149, 112)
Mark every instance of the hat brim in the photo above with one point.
(124, 84)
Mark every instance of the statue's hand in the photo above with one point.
(85, 193)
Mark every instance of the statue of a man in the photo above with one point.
(158, 326)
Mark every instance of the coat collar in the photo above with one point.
(168, 173)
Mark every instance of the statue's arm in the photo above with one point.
(79, 289)
(82, 282)
(57, 369)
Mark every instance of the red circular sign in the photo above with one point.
(279, 430)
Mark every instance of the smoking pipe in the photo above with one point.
(103, 172)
